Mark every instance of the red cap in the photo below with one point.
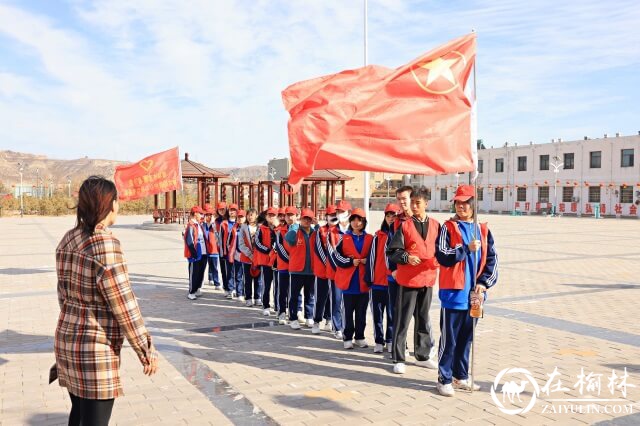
(272, 210)
(331, 209)
(307, 213)
(197, 209)
(392, 208)
(221, 205)
(464, 192)
(281, 211)
(241, 213)
(357, 212)
(208, 209)
(343, 205)
(291, 210)
(233, 206)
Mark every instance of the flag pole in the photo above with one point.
(366, 60)
(475, 226)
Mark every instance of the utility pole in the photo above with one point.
(21, 166)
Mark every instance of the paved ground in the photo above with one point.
(567, 298)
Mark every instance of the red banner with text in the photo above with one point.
(152, 175)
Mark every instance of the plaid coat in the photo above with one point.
(97, 310)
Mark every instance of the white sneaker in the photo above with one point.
(339, 335)
(249, 303)
(266, 312)
(300, 316)
(445, 390)
(464, 384)
(362, 343)
(191, 296)
(399, 368)
(217, 288)
(348, 344)
(315, 329)
(258, 302)
(210, 282)
(229, 295)
(328, 326)
(273, 310)
(241, 299)
(295, 325)
(310, 323)
(198, 293)
(378, 349)
(433, 353)
(234, 294)
(282, 319)
(390, 348)
(429, 363)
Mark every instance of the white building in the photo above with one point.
(579, 177)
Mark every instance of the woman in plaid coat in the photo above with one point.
(97, 308)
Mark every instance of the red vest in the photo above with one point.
(333, 234)
(452, 278)
(380, 270)
(281, 230)
(319, 264)
(259, 258)
(210, 239)
(247, 242)
(343, 275)
(190, 224)
(298, 253)
(423, 274)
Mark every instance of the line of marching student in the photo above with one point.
(342, 270)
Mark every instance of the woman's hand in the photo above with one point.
(356, 262)
(474, 245)
(151, 368)
(480, 288)
(414, 260)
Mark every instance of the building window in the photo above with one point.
(480, 166)
(544, 162)
(480, 194)
(567, 194)
(499, 194)
(522, 164)
(595, 159)
(626, 194)
(627, 158)
(543, 194)
(594, 194)
(522, 194)
(443, 194)
(499, 165)
(568, 160)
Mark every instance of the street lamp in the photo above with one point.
(21, 166)
(50, 187)
(556, 169)
(69, 185)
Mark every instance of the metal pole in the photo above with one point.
(21, 201)
(366, 60)
(475, 236)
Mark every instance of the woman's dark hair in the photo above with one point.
(385, 226)
(262, 218)
(250, 211)
(95, 201)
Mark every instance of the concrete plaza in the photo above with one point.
(567, 298)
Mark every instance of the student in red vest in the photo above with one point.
(276, 276)
(300, 238)
(331, 221)
(211, 239)
(412, 248)
(322, 296)
(195, 251)
(246, 236)
(282, 262)
(350, 257)
(462, 252)
(228, 249)
(378, 276)
(238, 269)
(221, 216)
(338, 227)
(264, 256)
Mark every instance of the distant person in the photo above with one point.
(221, 216)
(412, 249)
(322, 309)
(97, 309)
(264, 256)
(282, 262)
(246, 243)
(337, 226)
(195, 251)
(461, 252)
(238, 268)
(228, 249)
(211, 240)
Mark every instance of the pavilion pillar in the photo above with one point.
(155, 201)
(343, 185)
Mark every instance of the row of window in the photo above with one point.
(595, 161)
(625, 194)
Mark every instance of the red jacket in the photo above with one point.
(282, 248)
(210, 238)
(319, 253)
(333, 235)
(263, 254)
(377, 265)
(345, 253)
(196, 229)
(298, 253)
(425, 273)
(452, 278)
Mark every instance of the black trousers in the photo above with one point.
(322, 300)
(223, 273)
(196, 274)
(266, 272)
(304, 283)
(412, 302)
(250, 291)
(355, 304)
(94, 412)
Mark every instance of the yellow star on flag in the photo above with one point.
(440, 67)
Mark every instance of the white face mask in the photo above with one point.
(331, 218)
(343, 217)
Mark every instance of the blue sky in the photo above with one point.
(123, 79)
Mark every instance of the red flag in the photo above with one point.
(414, 119)
(152, 175)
